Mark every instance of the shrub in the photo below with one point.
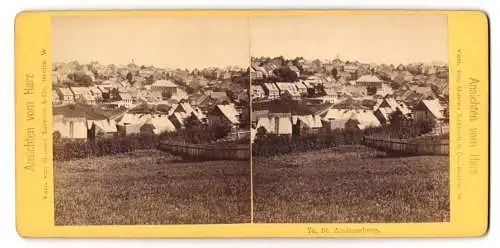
(69, 150)
(269, 145)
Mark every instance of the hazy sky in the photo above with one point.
(205, 41)
(366, 38)
(169, 41)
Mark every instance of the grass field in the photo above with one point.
(352, 185)
(151, 187)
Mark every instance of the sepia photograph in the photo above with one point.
(241, 119)
(350, 118)
(151, 120)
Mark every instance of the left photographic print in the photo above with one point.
(151, 120)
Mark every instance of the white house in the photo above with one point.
(101, 128)
(257, 92)
(167, 87)
(427, 110)
(272, 91)
(157, 124)
(301, 88)
(388, 105)
(224, 114)
(83, 94)
(132, 123)
(275, 125)
(70, 128)
(66, 95)
(288, 87)
(55, 98)
(97, 93)
(350, 118)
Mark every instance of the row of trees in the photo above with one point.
(270, 144)
(69, 150)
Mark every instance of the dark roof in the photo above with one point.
(350, 103)
(198, 99)
(293, 107)
(147, 109)
(87, 111)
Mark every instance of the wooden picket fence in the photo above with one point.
(207, 151)
(405, 147)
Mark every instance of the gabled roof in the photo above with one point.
(80, 90)
(104, 126)
(330, 91)
(163, 83)
(369, 78)
(133, 119)
(259, 68)
(337, 114)
(350, 103)
(95, 90)
(434, 107)
(307, 84)
(392, 105)
(230, 112)
(257, 89)
(276, 125)
(84, 111)
(66, 91)
(199, 99)
(300, 85)
(286, 86)
(365, 119)
(160, 124)
(271, 87)
(293, 107)
(180, 117)
(311, 121)
(102, 88)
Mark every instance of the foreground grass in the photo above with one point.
(350, 185)
(150, 187)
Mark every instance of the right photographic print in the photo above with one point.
(350, 118)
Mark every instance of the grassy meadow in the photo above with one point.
(350, 184)
(150, 187)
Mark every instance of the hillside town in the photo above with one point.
(94, 100)
(298, 96)
(289, 97)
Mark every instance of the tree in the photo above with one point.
(86, 81)
(191, 122)
(245, 118)
(190, 90)
(114, 94)
(285, 74)
(335, 73)
(396, 85)
(319, 90)
(286, 97)
(222, 130)
(435, 89)
(396, 119)
(261, 133)
(427, 126)
(56, 137)
(130, 77)
(80, 78)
